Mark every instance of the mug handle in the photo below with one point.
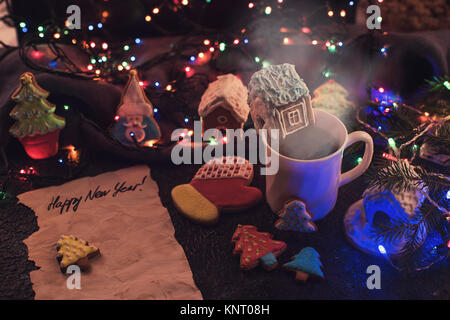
(367, 158)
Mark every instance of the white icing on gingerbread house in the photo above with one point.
(279, 99)
(224, 103)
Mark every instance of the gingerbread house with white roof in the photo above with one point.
(224, 104)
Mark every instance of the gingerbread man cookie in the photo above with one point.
(221, 185)
(255, 247)
(295, 217)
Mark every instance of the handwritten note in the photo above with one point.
(121, 213)
(71, 204)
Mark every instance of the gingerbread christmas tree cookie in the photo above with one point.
(305, 264)
(295, 217)
(256, 247)
(72, 250)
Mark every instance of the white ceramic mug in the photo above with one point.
(317, 181)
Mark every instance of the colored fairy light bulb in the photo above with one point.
(192, 58)
(186, 120)
(257, 59)
(314, 42)
(201, 55)
(187, 69)
(211, 49)
(351, 3)
(57, 35)
(330, 13)
(343, 13)
(169, 87)
(447, 85)
(265, 63)
(104, 58)
(41, 35)
(91, 27)
(120, 67)
(391, 142)
(22, 24)
(93, 61)
(381, 90)
(359, 160)
(236, 41)
(99, 25)
(157, 84)
(268, 10)
(245, 40)
(185, 2)
(155, 11)
(66, 107)
(251, 5)
(382, 249)
(138, 40)
(148, 18)
(133, 58)
(40, 28)
(155, 110)
(90, 67)
(222, 46)
(126, 47)
(206, 42)
(104, 46)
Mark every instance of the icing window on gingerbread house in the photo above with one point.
(293, 118)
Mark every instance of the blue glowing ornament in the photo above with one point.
(378, 207)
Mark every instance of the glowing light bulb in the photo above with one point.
(98, 71)
(268, 10)
(382, 249)
(286, 41)
(391, 142)
(330, 13)
(99, 25)
(41, 35)
(381, 90)
(251, 5)
(359, 160)
(57, 35)
(105, 14)
(116, 118)
(126, 47)
(133, 58)
(211, 49)
(448, 194)
(257, 59)
(22, 24)
(169, 87)
(40, 28)
(201, 55)
(314, 42)
(141, 83)
(104, 46)
(343, 13)
(120, 67)
(186, 120)
(187, 69)
(306, 30)
(185, 2)
(426, 114)
(157, 84)
(222, 46)
(155, 11)
(148, 18)
(92, 44)
(90, 67)
(206, 42)
(236, 41)
(138, 40)
(91, 27)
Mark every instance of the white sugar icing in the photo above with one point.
(277, 85)
(228, 92)
(134, 101)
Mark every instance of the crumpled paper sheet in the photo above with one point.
(140, 257)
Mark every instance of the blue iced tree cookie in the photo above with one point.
(295, 217)
(306, 263)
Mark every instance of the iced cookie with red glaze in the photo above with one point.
(221, 185)
(256, 247)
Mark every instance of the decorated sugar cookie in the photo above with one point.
(74, 251)
(135, 123)
(305, 264)
(279, 99)
(221, 185)
(224, 104)
(256, 247)
(295, 217)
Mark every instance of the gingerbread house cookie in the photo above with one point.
(224, 104)
(279, 99)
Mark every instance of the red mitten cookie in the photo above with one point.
(255, 247)
(218, 186)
